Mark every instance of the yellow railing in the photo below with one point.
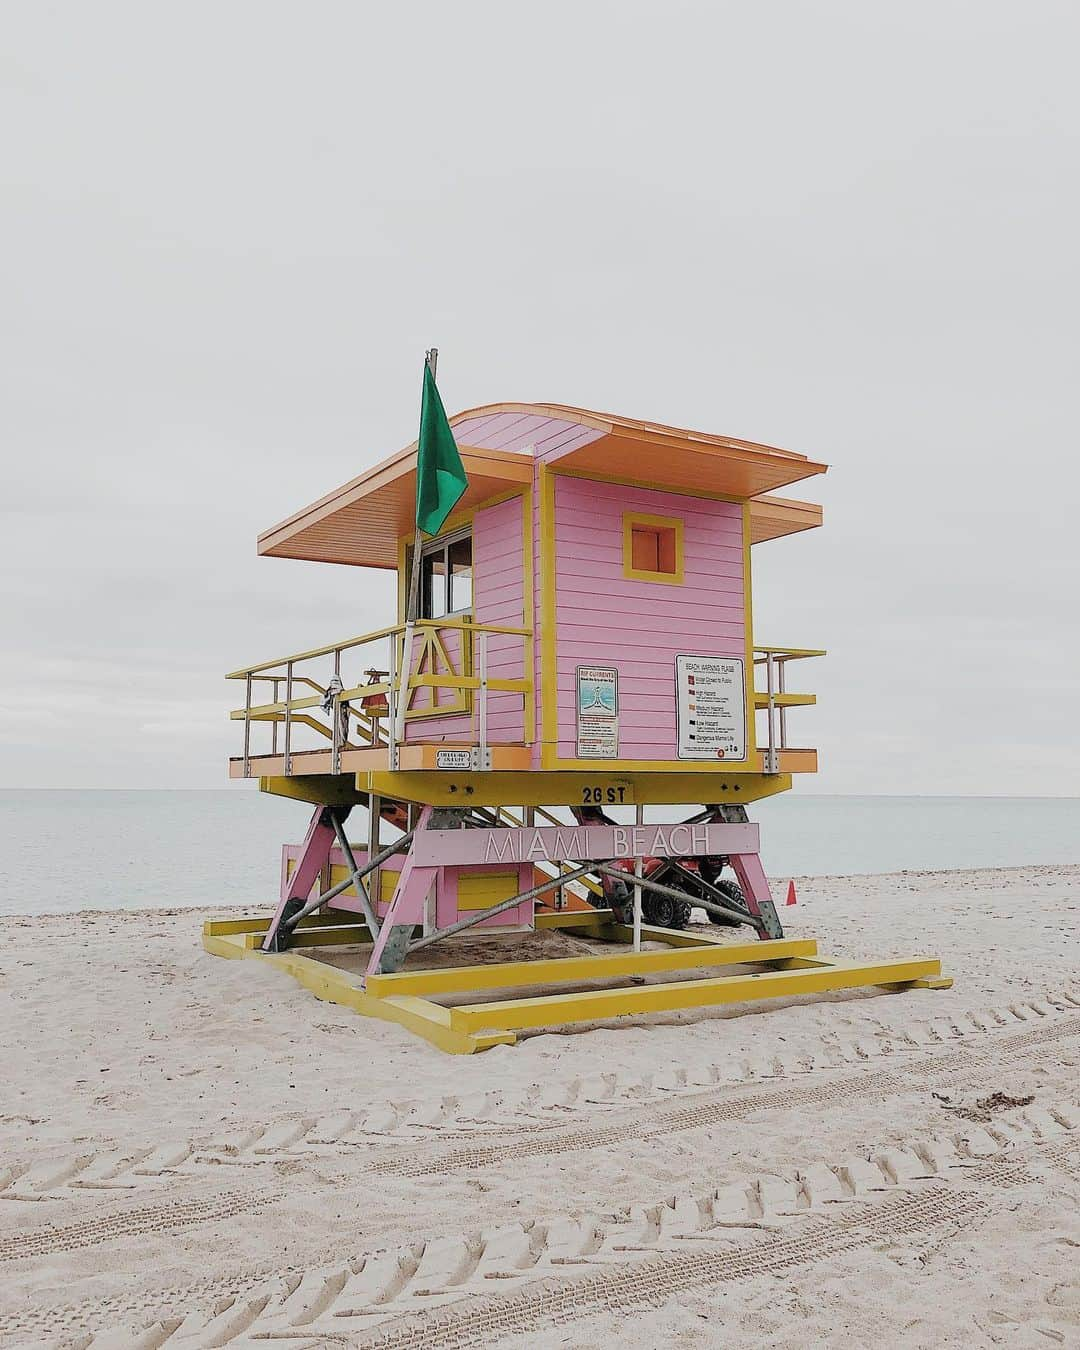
(393, 679)
(775, 699)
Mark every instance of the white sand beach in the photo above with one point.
(196, 1152)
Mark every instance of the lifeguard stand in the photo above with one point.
(584, 650)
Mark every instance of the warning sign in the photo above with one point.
(597, 712)
(711, 694)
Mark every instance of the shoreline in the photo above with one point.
(777, 882)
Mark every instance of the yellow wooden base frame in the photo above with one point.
(792, 966)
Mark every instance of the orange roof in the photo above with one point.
(361, 522)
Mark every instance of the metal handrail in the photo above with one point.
(395, 689)
(786, 653)
(775, 660)
(334, 647)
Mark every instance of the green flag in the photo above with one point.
(440, 475)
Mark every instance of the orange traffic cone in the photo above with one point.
(790, 893)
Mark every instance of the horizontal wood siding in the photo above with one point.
(452, 727)
(498, 598)
(480, 887)
(499, 578)
(641, 626)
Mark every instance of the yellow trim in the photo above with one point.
(528, 615)
(316, 789)
(427, 1020)
(388, 880)
(456, 522)
(501, 497)
(675, 524)
(296, 657)
(481, 890)
(462, 705)
(549, 685)
(761, 700)
(624, 766)
(675, 787)
(810, 977)
(570, 969)
(469, 682)
(478, 1026)
(596, 919)
(790, 653)
(453, 523)
(748, 621)
(433, 648)
(256, 923)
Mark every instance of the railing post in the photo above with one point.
(781, 666)
(391, 705)
(288, 718)
(247, 726)
(274, 722)
(374, 846)
(483, 750)
(335, 713)
(639, 871)
(770, 684)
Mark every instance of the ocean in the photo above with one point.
(62, 851)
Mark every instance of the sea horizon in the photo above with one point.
(68, 849)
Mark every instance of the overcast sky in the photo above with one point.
(230, 230)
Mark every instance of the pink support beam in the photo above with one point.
(755, 885)
(314, 853)
(407, 906)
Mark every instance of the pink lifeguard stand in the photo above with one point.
(583, 661)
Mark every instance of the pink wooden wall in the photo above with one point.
(641, 626)
(498, 598)
(446, 910)
(434, 728)
(499, 569)
(350, 903)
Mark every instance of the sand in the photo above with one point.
(196, 1152)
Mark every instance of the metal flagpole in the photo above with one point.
(412, 604)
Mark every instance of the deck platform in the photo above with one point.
(784, 968)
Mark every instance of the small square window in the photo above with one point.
(653, 548)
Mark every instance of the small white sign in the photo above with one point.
(712, 707)
(597, 712)
(453, 759)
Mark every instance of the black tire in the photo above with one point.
(619, 898)
(665, 911)
(733, 895)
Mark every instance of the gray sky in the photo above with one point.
(230, 230)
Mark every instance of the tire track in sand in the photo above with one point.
(540, 1107)
(439, 1292)
(644, 1124)
(720, 1108)
(164, 1218)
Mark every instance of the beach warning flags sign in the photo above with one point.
(790, 893)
